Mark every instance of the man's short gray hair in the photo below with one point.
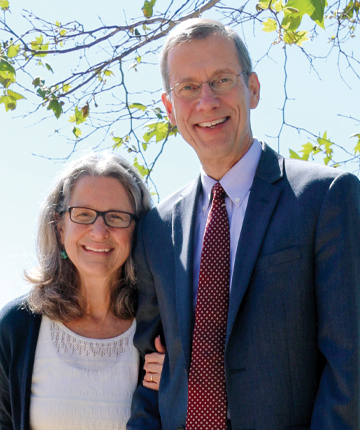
(201, 28)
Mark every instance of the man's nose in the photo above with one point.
(207, 98)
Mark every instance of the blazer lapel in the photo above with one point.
(262, 202)
(184, 216)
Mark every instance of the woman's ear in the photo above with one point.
(59, 225)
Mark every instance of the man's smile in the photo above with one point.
(212, 124)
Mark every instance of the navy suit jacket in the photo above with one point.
(292, 344)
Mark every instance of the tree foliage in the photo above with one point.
(81, 75)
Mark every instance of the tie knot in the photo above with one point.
(218, 191)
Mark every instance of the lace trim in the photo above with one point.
(65, 342)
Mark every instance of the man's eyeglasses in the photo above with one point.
(223, 82)
(116, 219)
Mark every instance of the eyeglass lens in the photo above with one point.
(222, 82)
(88, 216)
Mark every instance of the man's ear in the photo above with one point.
(254, 87)
(169, 107)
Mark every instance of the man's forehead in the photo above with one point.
(212, 55)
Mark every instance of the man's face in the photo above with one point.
(216, 125)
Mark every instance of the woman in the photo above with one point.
(67, 359)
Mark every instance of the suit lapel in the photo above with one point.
(184, 215)
(262, 202)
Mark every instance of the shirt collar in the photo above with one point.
(237, 181)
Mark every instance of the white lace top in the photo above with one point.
(80, 383)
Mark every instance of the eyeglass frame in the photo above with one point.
(102, 214)
(244, 72)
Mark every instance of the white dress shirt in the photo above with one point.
(236, 183)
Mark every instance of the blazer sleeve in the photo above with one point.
(144, 410)
(337, 289)
(6, 422)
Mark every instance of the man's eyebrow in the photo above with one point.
(216, 73)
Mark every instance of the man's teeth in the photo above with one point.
(212, 123)
(97, 250)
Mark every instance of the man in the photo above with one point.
(290, 358)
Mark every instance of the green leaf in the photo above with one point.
(14, 95)
(291, 20)
(313, 8)
(295, 37)
(138, 106)
(318, 14)
(37, 82)
(7, 73)
(269, 25)
(158, 112)
(138, 59)
(57, 23)
(109, 73)
(9, 102)
(148, 8)
(118, 142)
(141, 169)
(4, 4)
(357, 147)
(327, 159)
(158, 130)
(66, 88)
(278, 6)
(56, 107)
(13, 51)
(262, 5)
(77, 132)
(293, 154)
(144, 145)
(47, 65)
(37, 45)
(78, 117)
(62, 32)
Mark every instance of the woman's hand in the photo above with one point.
(153, 366)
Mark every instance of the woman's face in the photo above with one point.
(96, 250)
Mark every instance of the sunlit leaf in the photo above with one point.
(109, 73)
(77, 132)
(13, 51)
(66, 88)
(7, 73)
(78, 117)
(293, 154)
(118, 142)
(278, 6)
(4, 4)
(141, 169)
(56, 107)
(9, 102)
(14, 95)
(295, 37)
(148, 8)
(138, 106)
(47, 65)
(269, 25)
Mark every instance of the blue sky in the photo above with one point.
(315, 100)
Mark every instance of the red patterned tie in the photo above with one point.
(207, 402)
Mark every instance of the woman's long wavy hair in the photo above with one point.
(55, 282)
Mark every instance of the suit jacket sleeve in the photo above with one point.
(337, 289)
(6, 422)
(144, 409)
